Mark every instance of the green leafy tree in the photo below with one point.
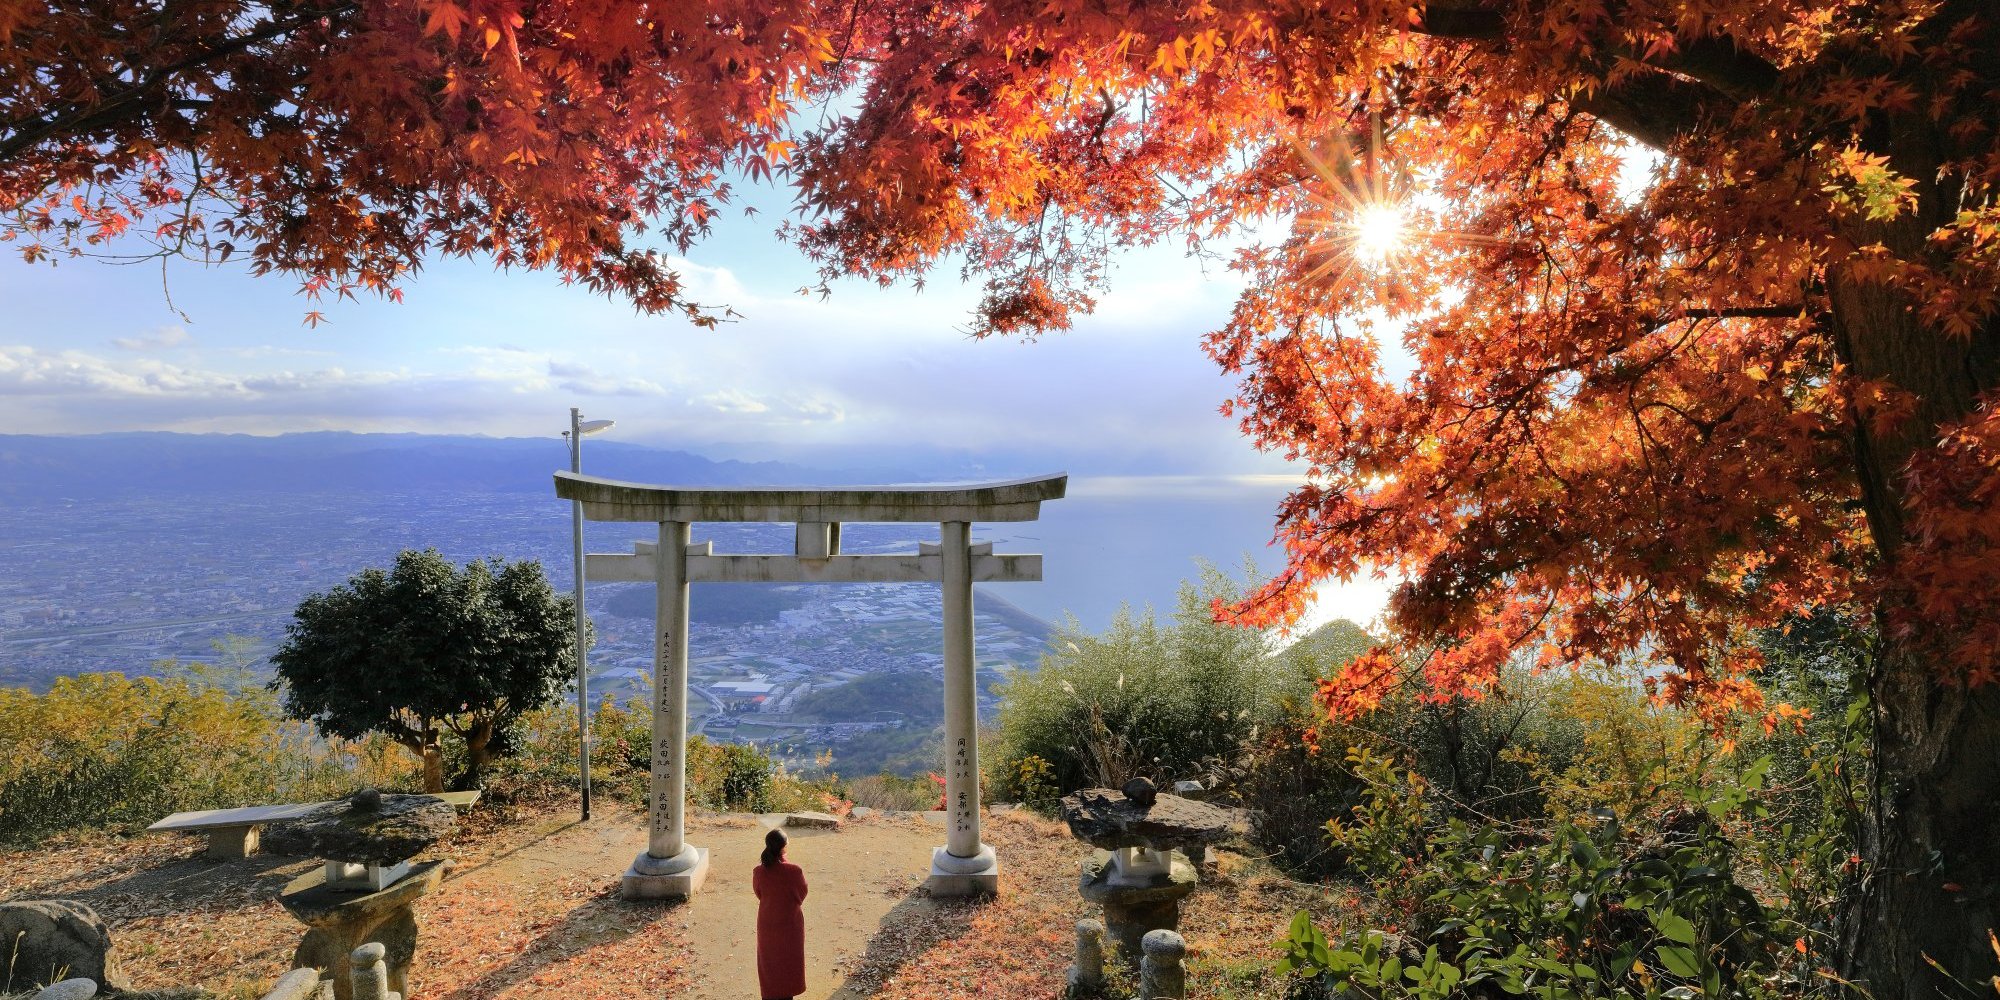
(426, 649)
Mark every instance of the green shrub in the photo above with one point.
(542, 765)
(728, 776)
(1142, 698)
(1600, 909)
(1676, 860)
(1483, 759)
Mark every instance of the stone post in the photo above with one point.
(1160, 973)
(368, 975)
(670, 867)
(301, 984)
(1086, 975)
(963, 866)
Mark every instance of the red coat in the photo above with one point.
(781, 929)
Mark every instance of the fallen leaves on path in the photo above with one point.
(567, 938)
(523, 917)
(1017, 945)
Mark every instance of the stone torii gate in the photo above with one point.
(670, 867)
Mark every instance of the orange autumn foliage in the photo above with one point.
(1631, 429)
(343, 142)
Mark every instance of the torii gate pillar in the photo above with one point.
(672, 868)
(964, 866)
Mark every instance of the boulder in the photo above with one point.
(68, 989)
(366, 827)
(52, 940)
(1142, 792)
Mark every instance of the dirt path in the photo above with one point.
(857, 875)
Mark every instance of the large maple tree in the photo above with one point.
(1638, 425)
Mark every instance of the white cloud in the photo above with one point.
(715, 287)
(584, 380)
(160, 339)
(29, 371)
(732, 401)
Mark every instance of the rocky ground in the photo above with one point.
(531, 909)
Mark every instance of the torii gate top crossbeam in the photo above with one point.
(612, 500)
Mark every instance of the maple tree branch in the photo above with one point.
(73, 117)
(1450, 20)
(1721, 63)
(1733, 312)
(1653, 108)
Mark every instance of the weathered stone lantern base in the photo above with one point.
(1140, 889)
(954, 877)
(341, 920)
(678, 877)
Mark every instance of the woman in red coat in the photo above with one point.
(781, 924)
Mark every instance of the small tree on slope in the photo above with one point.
(426, 648)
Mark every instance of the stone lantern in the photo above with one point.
(1141, 870)
(366, 889)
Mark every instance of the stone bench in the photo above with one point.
(232, 833)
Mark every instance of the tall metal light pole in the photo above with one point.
(578, 427)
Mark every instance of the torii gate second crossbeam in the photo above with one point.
(670, 867)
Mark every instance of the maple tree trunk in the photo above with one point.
(1931, 888)
(1933, 865)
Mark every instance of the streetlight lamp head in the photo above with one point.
(593, 426)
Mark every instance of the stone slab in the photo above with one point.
(813, 820)
(679, 885)
(309, 899)
(367, 826)
(195, 820)
(213, 819)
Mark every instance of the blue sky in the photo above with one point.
(87, 346)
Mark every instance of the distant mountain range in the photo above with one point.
(100, 464)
